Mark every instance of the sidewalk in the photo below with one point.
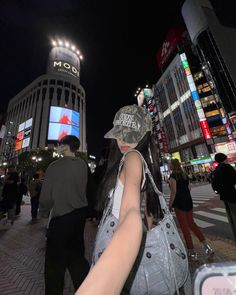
(22, 249)
(225, 248)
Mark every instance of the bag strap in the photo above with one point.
(143, 166)
(146, 170)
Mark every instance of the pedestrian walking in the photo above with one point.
(22, 190)
(35, 189)
(132, 156)
(9, 197)
(181, 201)
(224, 181)
(64, 196)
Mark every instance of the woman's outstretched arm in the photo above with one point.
(110, 272)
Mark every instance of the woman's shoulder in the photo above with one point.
(133, 160)
(133, 156)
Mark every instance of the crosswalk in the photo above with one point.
(206, 217)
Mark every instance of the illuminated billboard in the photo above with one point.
(201, 115)
(64, 61)
(18, 146)
(64, 116)
(20, 135)
(21, 127)
(26, 142)
(63, 122)
(28, 123)
(23, 136)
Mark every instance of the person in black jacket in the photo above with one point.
(225, 178)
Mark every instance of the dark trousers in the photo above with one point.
(65, 250)
(34, 206)
(231, 213)
(18, 204)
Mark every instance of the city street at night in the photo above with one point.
(23, 244)
(103, 105)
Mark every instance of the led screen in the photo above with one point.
(18, 145)
(20, 135)
(27, 133)
(23, 136)
(26, 142)
(21, 127)
(56, 131)
(64, 116)
(28, 123)
(63, 122)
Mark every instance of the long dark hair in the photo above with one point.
(109, 181)
(177, 169)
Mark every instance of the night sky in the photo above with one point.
(118, 39)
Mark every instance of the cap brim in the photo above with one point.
(115, 132)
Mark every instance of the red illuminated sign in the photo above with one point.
(18, 145)
(20, 135)
(163, 138)
(174, 37)
(205, 129)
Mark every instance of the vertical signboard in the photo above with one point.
(201, 115)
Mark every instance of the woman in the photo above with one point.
(123, 183)
(181, 201)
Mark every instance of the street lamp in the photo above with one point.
(66, 44)
(36, 159)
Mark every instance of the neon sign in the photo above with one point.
(195, 96)
(65, 66)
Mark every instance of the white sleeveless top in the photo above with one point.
(118, 192)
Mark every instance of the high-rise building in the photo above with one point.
(191, 113)
(51, 106)
(215, 45)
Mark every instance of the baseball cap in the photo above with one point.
(131, 123)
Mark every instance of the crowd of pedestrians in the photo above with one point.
(125, 186)
(13, 189)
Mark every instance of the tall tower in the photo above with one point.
(51, 106)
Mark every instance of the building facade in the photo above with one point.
(192, 117)
(51, 106)
(178, 114)
(215, 45)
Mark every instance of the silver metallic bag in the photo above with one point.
(161, 267)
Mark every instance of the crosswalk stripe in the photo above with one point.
(198, 202)
(202, 224)
(222, 210)
(202, 196)
(194, 201)
(211, 215)
(201, 199)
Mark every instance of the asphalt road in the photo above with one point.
(209, 211)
